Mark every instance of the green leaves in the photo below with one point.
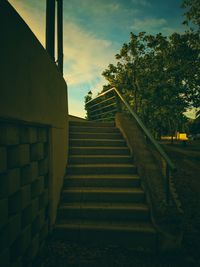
(159, 76)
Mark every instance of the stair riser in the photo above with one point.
(100, 170)
(100, 160)
(70, 197)
(98, 151)
(127, 183)
(111, 136)
(96, 143)
(103, 214)
(132, 239)
(93, 130)
(92, 124)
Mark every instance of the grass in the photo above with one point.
(187, 181)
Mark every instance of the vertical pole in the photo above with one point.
(60, 34)
(50, 28)
(167, 183)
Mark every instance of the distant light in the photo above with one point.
(182, 136)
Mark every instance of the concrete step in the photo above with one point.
(101, 194)
(117, 180)
(104, 211)
(92, 129)
(101, 169)
(100, 159)
(133, 235)
(91, 124)
(88, 135)
(77, 150)
(97, 142)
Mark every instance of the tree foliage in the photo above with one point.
(192, 13)
(159, 76)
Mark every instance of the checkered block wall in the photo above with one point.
(24, 195)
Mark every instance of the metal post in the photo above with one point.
(167, 184)
(50, 28)
(60, 34)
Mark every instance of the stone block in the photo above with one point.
(34, 170)
(13, 177)
(35, 246)
(26, 175)
(41, 184)
(29, 173)
(14, 203)
(14, 227)
(42, 134)
(42, 217)
(3, 185)
(28, 135)
(5, 258)
(34, 208)
(4, 238)
(44, 232)
(46, 181)
(15, 250)
(43, 166)
(37, 151)
(18, 263)
(18, 156)
(3, 212)
(26, 216)
(25, 238)
(3, 159)
(36, 226)
(46, 150)
(35, 188)
(43, 199)
(9, 134)
(25, 196)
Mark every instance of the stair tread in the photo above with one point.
(102, 176)
(106, 225)
(97, 147)
(90, 133)
(119, 140)
(100, 156)
(102, 189)
(107, 206)
(111, 165)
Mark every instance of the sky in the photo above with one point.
(94, 31)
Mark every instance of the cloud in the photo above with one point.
(148, 24)
(34, 19)
(76, 108)
(143, 3)
(86, 55)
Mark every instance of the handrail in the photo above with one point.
(141, 124)
(169, 164)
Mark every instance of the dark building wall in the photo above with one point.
(33, 139)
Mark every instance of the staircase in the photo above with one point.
(102, 200)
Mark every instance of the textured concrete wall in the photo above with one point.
(33, 97)
(24, 191)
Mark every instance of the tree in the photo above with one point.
(147, 73)
(192, 13)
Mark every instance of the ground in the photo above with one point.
(187, 180)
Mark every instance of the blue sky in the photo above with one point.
(94, 31)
